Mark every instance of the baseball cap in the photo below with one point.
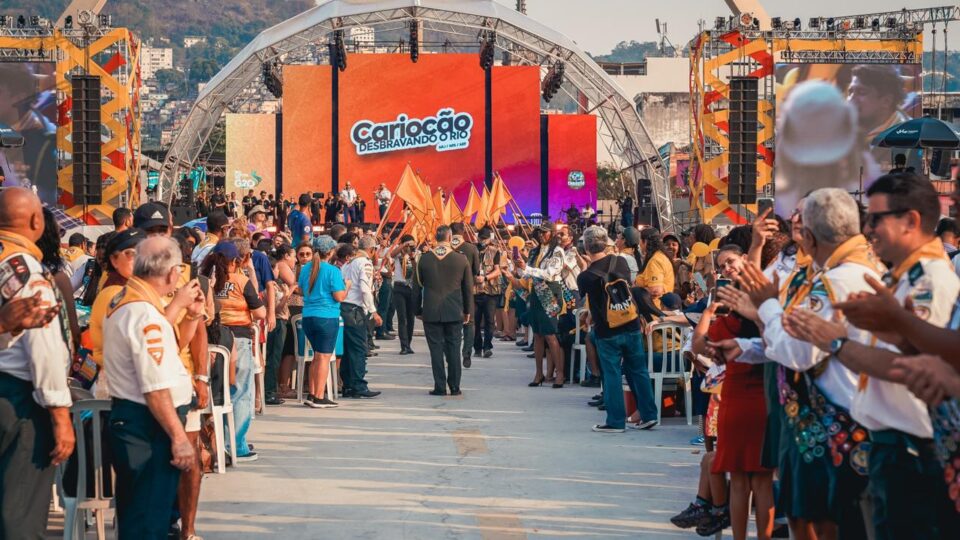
(258, 208)
(817, 125)
(124, 240)
(227, 249)
(151, 215)
(631, 236)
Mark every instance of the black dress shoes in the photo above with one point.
(438, 393)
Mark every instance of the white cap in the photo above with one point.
(817, 125)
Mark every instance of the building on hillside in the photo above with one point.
(660, 88)
(190, 41)
(153, 59)
(362, 37)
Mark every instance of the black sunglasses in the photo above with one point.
(872, 218)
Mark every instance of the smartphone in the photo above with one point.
(723, 282)
(764, 204)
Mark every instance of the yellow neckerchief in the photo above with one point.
(931, 250)
(136, 290)
(855, 250)
(457, 241)
(442, 250)
(73, 253)
(210, 240)
(12, 244)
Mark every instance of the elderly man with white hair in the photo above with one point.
(822, 477)
(151, 392)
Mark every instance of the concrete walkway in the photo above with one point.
(502, 461)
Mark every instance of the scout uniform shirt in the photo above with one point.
(927, 278)
(141, 355)
(841, 276)
(39, 355)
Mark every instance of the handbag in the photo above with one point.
(713, 380)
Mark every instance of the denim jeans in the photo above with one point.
(241, 395)
(384, 301)
(275, 342)
(628, 349)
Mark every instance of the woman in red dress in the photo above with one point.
(742, 419)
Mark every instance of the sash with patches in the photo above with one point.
(457, 241)
(945, 419)
(818, 425)
(137, 290)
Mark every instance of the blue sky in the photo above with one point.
(598, 25)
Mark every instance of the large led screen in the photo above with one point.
(251, 153)
(28, 105)
(572, 170)
(430, 114)
(883, 95)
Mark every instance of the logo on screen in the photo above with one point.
(576, 180)
(242, 180)
(448, 130)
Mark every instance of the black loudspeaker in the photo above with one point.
(742, 184)
(183, 214)
(87, 180)
(940, 163)
(646, 216)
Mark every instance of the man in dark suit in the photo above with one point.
(470, 251)
(443, 285)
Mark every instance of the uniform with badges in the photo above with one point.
(906, 480)
(488, 293)
(444, 296)
(823, 452)
(470, 251)
(33, 378)
(403, 304)
(143, 357)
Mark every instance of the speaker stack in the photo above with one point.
(87, 180)
(742, 180)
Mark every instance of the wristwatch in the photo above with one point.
(202, 378)
(837, 344)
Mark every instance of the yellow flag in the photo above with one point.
(473, 203)
(453, 212)
(483, 212)
(499, 198)
(410, 190)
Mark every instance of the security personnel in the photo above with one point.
(35, 429)
(444, 298)
(906, 479)
(472, 253)
(151, 392)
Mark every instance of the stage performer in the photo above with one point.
(348, 197)
(383, 197)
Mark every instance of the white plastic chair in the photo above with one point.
(307, 356)
(579, 349)
(259, 355)
(74, 507)
(672, 367)
(218, 411)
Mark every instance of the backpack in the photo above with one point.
(621, 309)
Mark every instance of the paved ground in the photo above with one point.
(503, 461)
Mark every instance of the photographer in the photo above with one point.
(404, 261)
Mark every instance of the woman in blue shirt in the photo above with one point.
(323, 289)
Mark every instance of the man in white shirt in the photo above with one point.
(348, 196)
(36, 433)
(151, 392)
(357, 309)
(383, 197)
(823, 495)
(906, 480)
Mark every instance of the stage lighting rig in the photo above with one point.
(487, 51)
(5, 21)
(719, 23)
(776, 23)
(553, 81)
(414, 41)
(797, 24)
(339, 51)
(68, 22)
(272, 78)
(21, 21)
(875, 25)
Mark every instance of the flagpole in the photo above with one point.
(386, 215)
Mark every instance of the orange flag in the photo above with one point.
(483, 212)
(453, 212)
(410, 190)
(438, 204)
(499, 197)
(473, 204)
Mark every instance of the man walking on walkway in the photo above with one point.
(444, 296)
(470, 251)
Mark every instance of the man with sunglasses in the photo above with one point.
(906, 480)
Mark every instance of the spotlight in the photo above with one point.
(339, 50)
(21, 21)
(796, 24)
(487, 51)
(34, 20)
(719, 23)
(68, 22)
(776, 23)
(860, 23)
(106, 21)
(891, 22)
(553, 81)
(4, 21)
(414, 41)
(814, 22)
(875, 25)
(831, 23)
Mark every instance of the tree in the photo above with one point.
(630, 51)
(611, 182)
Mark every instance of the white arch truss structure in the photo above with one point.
(304, 39)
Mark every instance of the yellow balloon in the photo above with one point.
(700, 249)
(714, 244)
(516, 242)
